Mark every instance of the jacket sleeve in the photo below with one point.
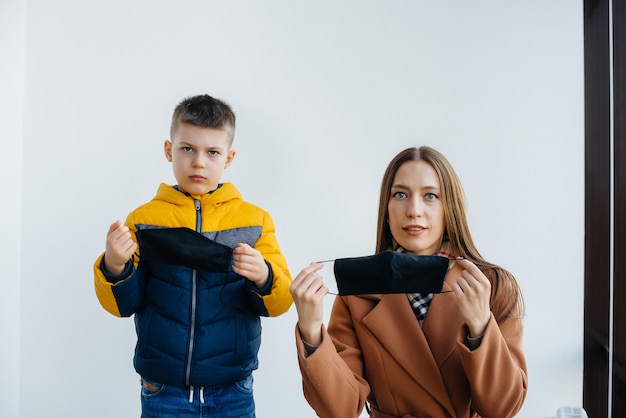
(277, 299)
(496, 369)
(332, 377)
(120, 296)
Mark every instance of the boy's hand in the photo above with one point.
(119, 248)
(249, 263)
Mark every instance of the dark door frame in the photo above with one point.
(605, 217)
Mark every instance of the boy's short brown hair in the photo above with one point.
(204, 111)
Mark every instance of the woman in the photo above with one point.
(453, 354)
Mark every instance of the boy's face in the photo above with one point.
(199, 156)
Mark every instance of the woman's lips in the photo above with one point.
(414, 229)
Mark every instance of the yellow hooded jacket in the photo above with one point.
(194, 327)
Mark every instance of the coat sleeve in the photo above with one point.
(496, 369)
(332, 377)
(278, 300)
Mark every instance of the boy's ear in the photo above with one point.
(229, 157)
(167, 149)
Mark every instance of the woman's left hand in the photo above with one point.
(473, 292)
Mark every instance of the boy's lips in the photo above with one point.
(197, 177)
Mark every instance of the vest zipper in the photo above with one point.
(194, 292)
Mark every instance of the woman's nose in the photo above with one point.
(415, 208)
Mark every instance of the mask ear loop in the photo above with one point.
(328, 261)
(451, 258)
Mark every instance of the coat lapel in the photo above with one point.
(442, 324)
(406, 343)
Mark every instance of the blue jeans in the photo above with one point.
(223, 401)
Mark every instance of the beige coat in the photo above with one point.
(375, 350)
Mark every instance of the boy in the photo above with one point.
(197, 266)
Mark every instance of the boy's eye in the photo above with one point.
(213, 152)
(187, 149)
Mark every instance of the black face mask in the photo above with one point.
(390, 272)
(184, 247)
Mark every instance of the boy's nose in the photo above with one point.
(198, 161)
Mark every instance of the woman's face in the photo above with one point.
(416, 217)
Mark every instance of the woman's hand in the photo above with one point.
(473, 293)
(308, 291)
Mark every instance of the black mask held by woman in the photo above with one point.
(390, 272)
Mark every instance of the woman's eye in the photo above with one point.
(431, 196)
(399, 195)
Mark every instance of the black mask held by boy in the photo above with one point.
(390, 272)
(184, 247)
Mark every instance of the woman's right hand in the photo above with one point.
(308, 291)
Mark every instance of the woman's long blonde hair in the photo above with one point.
(506, 296)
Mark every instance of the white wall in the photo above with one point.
(12, 65)
(326, 93)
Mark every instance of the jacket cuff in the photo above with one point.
(267, 288)
(112, 278)
(308, 348)
(473, 343)
(305, 349)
